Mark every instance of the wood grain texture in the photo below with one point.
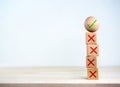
(57, 75)
(59, 85)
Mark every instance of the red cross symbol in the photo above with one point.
(91, 62)
(93, 50)
(91, 38)
(92, 74)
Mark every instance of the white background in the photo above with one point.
(52, 33)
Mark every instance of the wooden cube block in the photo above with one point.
(91, 61)
(92, 73)
(91, 38)
(92, 50)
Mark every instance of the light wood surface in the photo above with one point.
(57, 75)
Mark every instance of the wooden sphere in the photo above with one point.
(91, 24)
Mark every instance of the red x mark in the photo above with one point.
(92, 74)
(91, 62)
(93, 50)
(91, 38)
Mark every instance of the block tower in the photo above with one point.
(92, 25)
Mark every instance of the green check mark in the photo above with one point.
(90, 26)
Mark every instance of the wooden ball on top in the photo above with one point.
(91, 24)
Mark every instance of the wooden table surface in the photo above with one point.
(57, 75)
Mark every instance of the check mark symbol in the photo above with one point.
(90, 26)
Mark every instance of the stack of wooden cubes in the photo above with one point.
(91, 24)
